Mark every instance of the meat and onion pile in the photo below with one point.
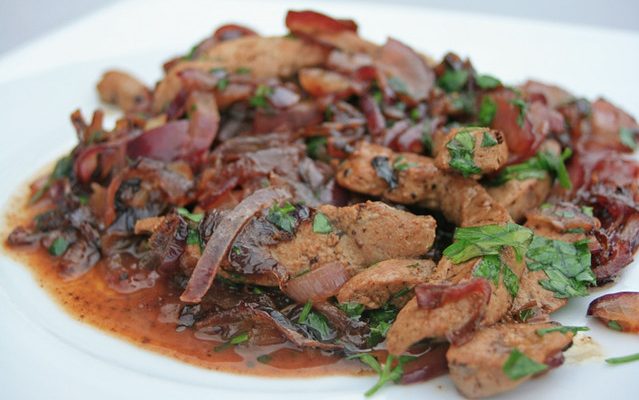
(317, 190)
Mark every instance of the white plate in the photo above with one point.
(44, 353)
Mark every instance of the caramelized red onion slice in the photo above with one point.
(164, 143)
(232, 31)
(311, 22)
(400, 62)
(318, 284)
(431, 296)
(222, 238)
(428, 365)
(619, 311)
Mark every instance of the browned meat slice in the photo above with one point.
(521, 196)
(147, 225)
(477, 367)
(125, 91)
(390, 280)
(446, 311)
(252, 52)
(373, 170)
(561, 221)
(462, 201)
(361, 235)
(489, 151)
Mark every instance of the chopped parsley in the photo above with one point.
(283, 217)
(487, 81)
(538, 167)
(387, 373)
(627, 138)
(427, 139)
(238, 338)
(521, 104)
(243, 70)
(623, 360)
(491, 267)
(380, 321)
(316, 147)
(193, 237)
(567, 266)
(195, 217)
(519, 365)
(614, 325)
(222, 84)
(353, 310)
(62, 169)
(305, 311)
(453, 81)
(401, 164)
(316, 322)
(397, 85)
(259, 99)
(461, 149)
(563, 329)
(321, 224)
(587, 210)
(488, 140)
(487, 111)
(476, 241)
(58, 247)
(524, 315)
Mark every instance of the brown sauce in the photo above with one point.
(137, 318)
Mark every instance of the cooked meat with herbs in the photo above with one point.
(290, 205)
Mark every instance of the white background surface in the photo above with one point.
(21, 20)
(44, 354)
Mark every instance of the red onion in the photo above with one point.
(374, 118)
(311, 22)
(431, 296)
(220, 242)
(428, 365)
(318, 284)
(617, 310)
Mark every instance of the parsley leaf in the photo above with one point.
(525, 314)
(62, 169)
(453, 81)
(321, 224)
(487, 111)
(490, 268)
(485, 240)
(563, 329)
(623, 360)
(236, 339)
(380, 321)
(567, 265)
(242, 70)
(401, 164)
(461, 149)
(386, 371)
(521, 104)
(259, 99)
(283, 217)
(538, 167)
(427, 139)
(305, 311)
(193, 237)
(195, 217)
(627, 138)
(264, 358)
(318, 324)
(487, 81)
(59, 246)
(222, 84)
(488, 140)
(316, 147)
(519, 365)
(352, 309)
(614, 325)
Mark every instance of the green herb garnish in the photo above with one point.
(195, 217)
(58, 247)
(193, 237)
(615, 325)
(427, 138)
(488, 140)
(238, 338)
(305, 311)
(353, 310)
(563, 329)
(487, 111)
(519, 365)
(259, 99)
(318, 324)
(538, 167)
(386, 371)
(453, 81)
(264, 358)
(486, 240)
(623, 360)
(461, 149)
(282, 217)
(524, 315)
(222, 84)
(627, 138)
(321, 224)
(521, 104)
(397, 85)
(401, 164)
(491, 266)
(487, 81)
(567, 266)
(242, 70)
(316, 147)
(62, 169)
